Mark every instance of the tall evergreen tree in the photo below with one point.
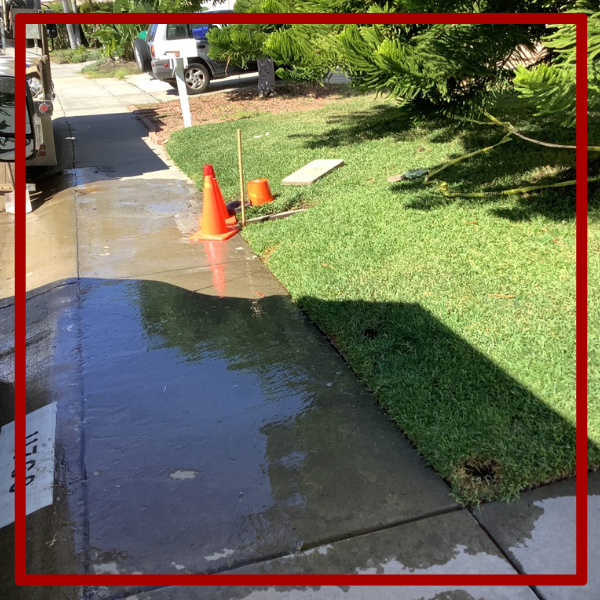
(241, 44)
(552, 86)
(437, 68)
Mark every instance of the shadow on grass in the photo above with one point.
(483, 431)
(515, 164)
(379, 122)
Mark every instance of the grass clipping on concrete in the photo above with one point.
(458, 315)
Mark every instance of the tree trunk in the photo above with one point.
(266, 78)
(76, 27)
(70, 31)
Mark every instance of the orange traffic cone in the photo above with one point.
(229, 219)
(259, 192)
(213, 224)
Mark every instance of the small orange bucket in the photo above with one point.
(259, 192)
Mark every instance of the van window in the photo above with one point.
(177, 32)
(182, 32)
(151, 33)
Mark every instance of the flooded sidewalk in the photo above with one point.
(204, 425)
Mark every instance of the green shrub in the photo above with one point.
(80, 55)
(117, 40)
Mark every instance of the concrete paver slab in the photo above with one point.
(105, 109)
(112, 143)
(235, 278)
(313, 171)
(110, 83)
(538, 532)
(137, 97)
(447, 544)
(160, 90)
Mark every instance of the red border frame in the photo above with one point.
(580, 576)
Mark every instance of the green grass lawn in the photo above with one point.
(110, 68)
(458, 314)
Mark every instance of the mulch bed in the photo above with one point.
(239, 104)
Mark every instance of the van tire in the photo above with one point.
(143, 58)
(197, 79)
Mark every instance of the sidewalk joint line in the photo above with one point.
(288, 553)
(365, 532)
(83, 488)
(511, 561)
(74, 167)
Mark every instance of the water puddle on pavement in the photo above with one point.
(214, 433)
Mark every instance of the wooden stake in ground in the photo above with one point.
(239, 139)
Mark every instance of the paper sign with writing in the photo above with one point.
(39, 482)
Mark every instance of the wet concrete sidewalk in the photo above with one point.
(204, 425)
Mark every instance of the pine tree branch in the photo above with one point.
(514, 192)
(512, 130)
(454, 161)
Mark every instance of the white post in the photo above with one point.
(180, 65)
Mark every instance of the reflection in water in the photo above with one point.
(206, 381)
(216, 256)
(287, 445)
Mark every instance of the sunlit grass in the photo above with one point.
(459, 315)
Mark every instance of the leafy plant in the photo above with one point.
(303, 74)
(79, 55)
(117, 39)
(435, 68)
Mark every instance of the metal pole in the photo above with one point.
(239, 139)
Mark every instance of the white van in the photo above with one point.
(182, 41)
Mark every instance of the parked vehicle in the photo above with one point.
(163, 42)
(33, 133)
(41, 92)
